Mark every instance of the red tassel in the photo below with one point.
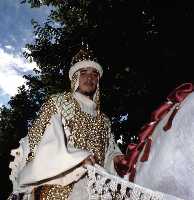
(146, 150)
(132, 174)
(169, 122)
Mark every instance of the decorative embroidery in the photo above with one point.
(90, 133)
(37, 130)
(87, 132)
(104, 186)
(53, 192)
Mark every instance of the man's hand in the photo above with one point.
(89, 160)
(121, 165)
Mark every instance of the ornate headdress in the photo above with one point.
(84, 58)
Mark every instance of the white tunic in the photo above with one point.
(55, 162)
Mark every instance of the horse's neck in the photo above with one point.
(170, 167)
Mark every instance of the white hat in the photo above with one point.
(84, 64)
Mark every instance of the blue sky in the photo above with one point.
(15, 31)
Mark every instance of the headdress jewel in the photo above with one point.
(84, 58)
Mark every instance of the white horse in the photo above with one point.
(169, 166)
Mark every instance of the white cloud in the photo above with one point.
(9, 47)
(15, 31)
(4, 98)
(12, 68)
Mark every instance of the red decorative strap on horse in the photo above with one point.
(177, 96)
(169, 122)
(146, 150)
(181, 92)
(133, 156)
(146, 131)
(163, 109)
(132, 174)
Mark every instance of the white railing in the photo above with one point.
(104, 186)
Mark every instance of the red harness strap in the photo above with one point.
(176, 96)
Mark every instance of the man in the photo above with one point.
(69, 133)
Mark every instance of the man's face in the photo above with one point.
(88, 81)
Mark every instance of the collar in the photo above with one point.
(87, 105)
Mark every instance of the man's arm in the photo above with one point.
(37, 130)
